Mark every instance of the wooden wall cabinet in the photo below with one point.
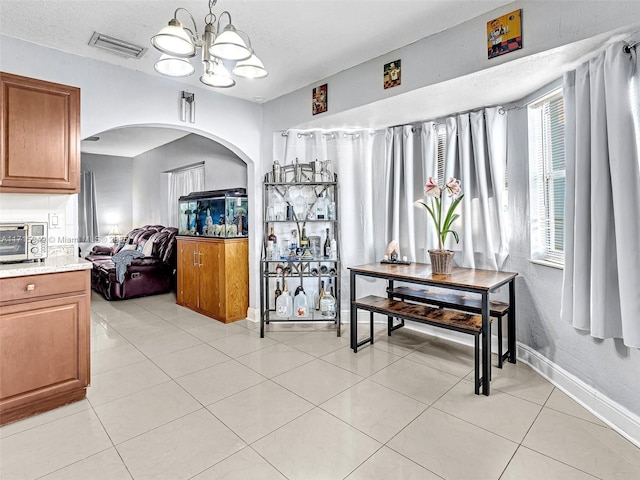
(213, 277)
(44, 342)
(40, 136)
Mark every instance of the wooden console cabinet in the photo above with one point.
(44, 342)
(40, 136)
(213, 277)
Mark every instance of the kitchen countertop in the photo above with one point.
(50, 265)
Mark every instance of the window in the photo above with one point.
(441, 151)
(547, 178)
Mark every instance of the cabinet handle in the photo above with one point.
(194, 259)
(31, 287)
(199, 259)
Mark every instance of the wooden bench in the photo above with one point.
(454, 301)
(439, 317)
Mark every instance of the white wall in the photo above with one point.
(223, 169)
(114, 187)
(113, 97)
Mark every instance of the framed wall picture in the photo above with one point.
(504, 34)
(391, 75)
(319, 99)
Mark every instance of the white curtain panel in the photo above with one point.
(88, 209)
(183, 182)
(602, 209)
(403, 169)
(351, 154)
(480, 164)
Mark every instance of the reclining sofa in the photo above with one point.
(152, 273)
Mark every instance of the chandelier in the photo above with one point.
(221, 50)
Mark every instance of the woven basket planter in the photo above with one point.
(441, 261)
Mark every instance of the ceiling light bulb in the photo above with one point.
(250, 68)
(218, 77)
(174, 40)
(174, 67)
(230, 46)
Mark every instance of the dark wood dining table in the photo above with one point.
(475, 281)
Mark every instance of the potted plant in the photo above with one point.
(441, 259)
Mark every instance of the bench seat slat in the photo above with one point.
(421, 313)
(450, 300)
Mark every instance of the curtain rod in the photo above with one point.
(186, 167)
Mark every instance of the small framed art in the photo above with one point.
(504, 34)
(391, 76)
(319, 99)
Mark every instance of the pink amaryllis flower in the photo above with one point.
(442, 219)
(453, 187)
(431, 188)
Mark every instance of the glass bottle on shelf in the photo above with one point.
(327, 246)
(277, 291)
(328, 303)
(272, 237)
(321, 207)
(284, 304)
(300, 303)
(277, 172)
(320, 295)
(331, 210)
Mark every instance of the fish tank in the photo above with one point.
(214, 213)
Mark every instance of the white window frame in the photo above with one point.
(546, 228)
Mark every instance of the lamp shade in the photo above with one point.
(230, 46)
(250, 68)
(218, 77)
(174, 67)
(174, 40)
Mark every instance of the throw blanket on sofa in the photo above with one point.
(122, 260)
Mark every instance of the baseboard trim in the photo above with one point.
(619, 418)
(252, 314)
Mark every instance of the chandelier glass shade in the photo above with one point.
(174, 66)
(220, 49)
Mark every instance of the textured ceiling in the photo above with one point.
(299, 41)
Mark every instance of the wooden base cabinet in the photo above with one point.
(44, 342)
(213, 277)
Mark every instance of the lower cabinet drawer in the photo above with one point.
(35, 286)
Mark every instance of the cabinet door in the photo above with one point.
(40, 139)
(211, 276)
(236, 274)
(44, 351)
(188, 272)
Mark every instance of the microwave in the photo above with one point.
(21, 242)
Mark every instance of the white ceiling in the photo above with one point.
(130, 141)
(299, 41)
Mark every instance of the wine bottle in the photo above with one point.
(277, 292)
(320, 295)
(327, 246)
(304, 240)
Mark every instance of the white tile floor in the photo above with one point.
(176, 395)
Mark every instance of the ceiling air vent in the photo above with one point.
(117, 46)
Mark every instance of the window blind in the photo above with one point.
(548, 183)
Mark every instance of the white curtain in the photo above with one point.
(476, 153)
(480, 164)
(403, 168)
(182, 182)
(602, 209)
(87, 209)
(351, 154)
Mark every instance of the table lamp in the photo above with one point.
(115, 232)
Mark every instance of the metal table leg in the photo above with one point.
(486, 344)
(511, 335)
